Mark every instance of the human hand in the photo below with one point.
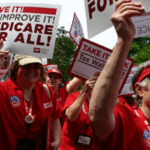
(89, 85)
(121, 18)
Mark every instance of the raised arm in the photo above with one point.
(105, 91)
(73, 111)
(73, 85)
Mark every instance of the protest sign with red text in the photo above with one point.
(90, 60)
(98, 13)
(29, 29)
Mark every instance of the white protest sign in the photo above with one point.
(76, 31)
(29, 29)
(127, 88)
(142, 25)
(91, 58)
(98, 13)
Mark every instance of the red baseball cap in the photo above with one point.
(55, 71)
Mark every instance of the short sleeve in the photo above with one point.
(69, 101)
(124, 116)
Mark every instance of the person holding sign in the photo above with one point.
(54, 78)
(119, 126)
(77, 130)
(25, 107)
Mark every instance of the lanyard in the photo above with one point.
(141, 115)
(28, 110)
(85, 111)
(85, 108)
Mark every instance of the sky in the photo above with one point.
(107, 38)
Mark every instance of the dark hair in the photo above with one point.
(129, 99)
(14, 69)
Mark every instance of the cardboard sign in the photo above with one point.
(98, 13)
(29, 29)
(127, 88)
(76, 31)
(91, 58)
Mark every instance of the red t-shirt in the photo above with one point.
(131, 133)
(61, 96)
(71, 129)
(12, 114)
(123, 101)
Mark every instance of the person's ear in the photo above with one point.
(138, 89)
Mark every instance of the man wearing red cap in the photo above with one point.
(54, 78)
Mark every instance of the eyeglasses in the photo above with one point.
(32, 66)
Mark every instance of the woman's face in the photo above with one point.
(53, 81)
(29, 73)
(144, 93)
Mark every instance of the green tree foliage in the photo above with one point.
(140, 50)
(64, 52)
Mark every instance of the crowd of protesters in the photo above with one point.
(43, 116)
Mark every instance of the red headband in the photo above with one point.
(145, 72)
